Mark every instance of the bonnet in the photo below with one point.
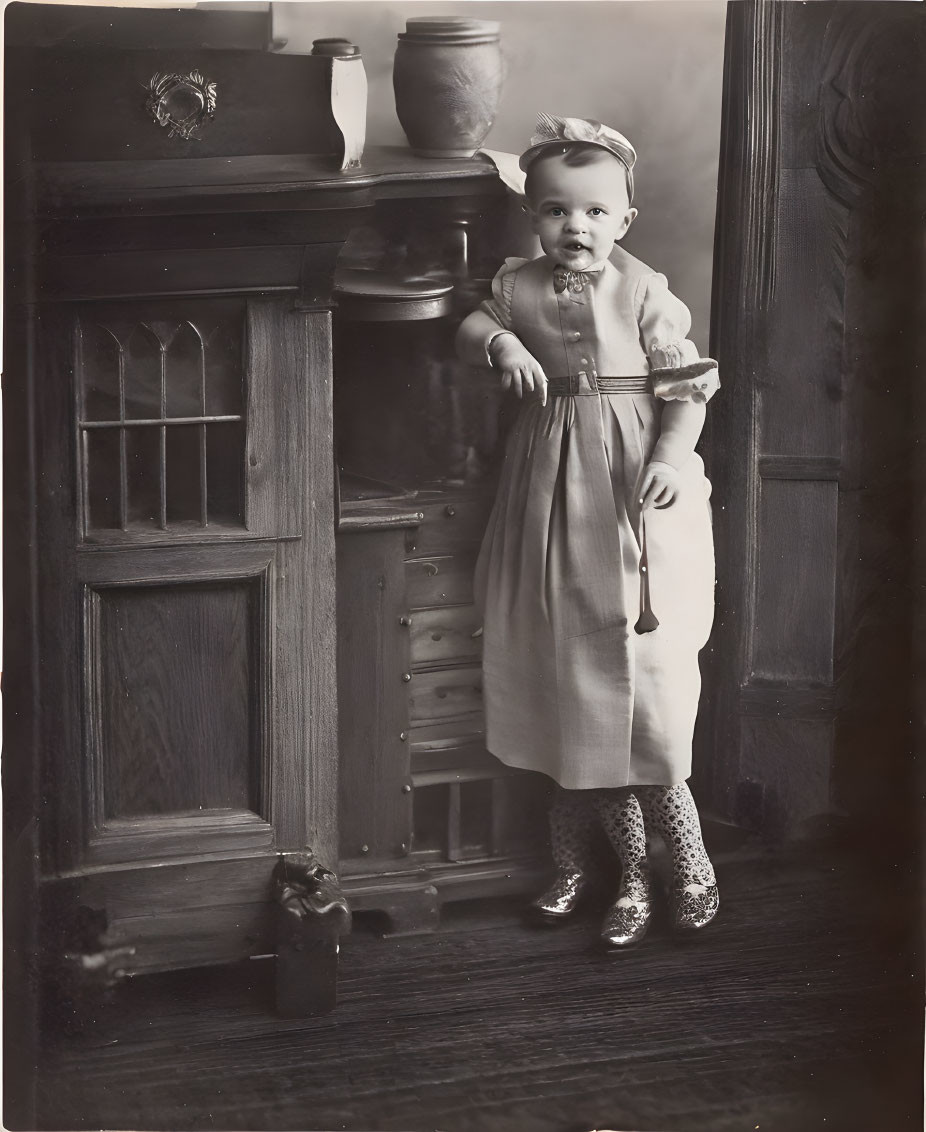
(552, 131)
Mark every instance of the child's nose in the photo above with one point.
(576, 222)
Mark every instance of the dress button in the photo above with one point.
(584, 361)
(576, 335)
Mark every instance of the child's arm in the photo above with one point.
(485, 338)
(682, 422)
(481, 339)
(664, 324)
(475, 334)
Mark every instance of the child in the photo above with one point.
(596, 572)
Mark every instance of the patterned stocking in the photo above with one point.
(672, 813)
(571, 827)
(622, 820)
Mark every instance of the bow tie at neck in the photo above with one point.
(576, 281)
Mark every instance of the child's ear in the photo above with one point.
(629, 216)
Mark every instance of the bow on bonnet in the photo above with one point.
(551, 130)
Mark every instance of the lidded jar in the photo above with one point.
(448, 77)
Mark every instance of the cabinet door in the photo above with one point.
(187, 575)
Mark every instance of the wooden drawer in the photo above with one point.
(470, 758)
(450, 524)
(441, 635)
(442, 579)
(443, 734)
(445, 693)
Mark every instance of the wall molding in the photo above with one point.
(763, 46)
(776, 467)
(782, 701)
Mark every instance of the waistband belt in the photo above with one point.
(572, 386)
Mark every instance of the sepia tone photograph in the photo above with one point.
(463, 578)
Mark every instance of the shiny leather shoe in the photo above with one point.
(693, 907)
(629, 917)
(563, 896)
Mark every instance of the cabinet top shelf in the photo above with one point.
(68, 187)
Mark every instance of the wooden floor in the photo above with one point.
(800, 1011)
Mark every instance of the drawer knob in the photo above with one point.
(403, 735)
(406, 676)
(450, 511)
(405, 619)
(364, 848)
(406, 789)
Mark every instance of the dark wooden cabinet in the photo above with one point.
(176, 646)
(187, 582)
(427, 815)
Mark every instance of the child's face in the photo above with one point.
(579, 211)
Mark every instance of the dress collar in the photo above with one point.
(573, 281)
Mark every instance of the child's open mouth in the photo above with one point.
(577, 247)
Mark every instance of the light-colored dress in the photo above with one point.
(570, 688)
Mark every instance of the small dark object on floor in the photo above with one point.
(311, 914)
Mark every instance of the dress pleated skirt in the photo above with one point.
(570, 689)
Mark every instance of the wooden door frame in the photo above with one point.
(744, 282)
(846, 164)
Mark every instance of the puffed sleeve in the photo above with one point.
(678, 373)
(499, 306)
(479, 328)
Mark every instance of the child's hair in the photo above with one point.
(575, 154)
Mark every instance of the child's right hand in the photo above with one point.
(520, 370)
(660, 485)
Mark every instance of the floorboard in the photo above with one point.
(800, 1011)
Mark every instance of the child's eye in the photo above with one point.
(596, 212)
(555, 211)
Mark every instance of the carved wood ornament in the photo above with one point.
(867, 122)
(181, 103)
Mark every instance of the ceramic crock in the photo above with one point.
(448, 78)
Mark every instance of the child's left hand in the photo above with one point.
(660, 485)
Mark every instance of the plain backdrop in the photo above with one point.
(650, 68)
